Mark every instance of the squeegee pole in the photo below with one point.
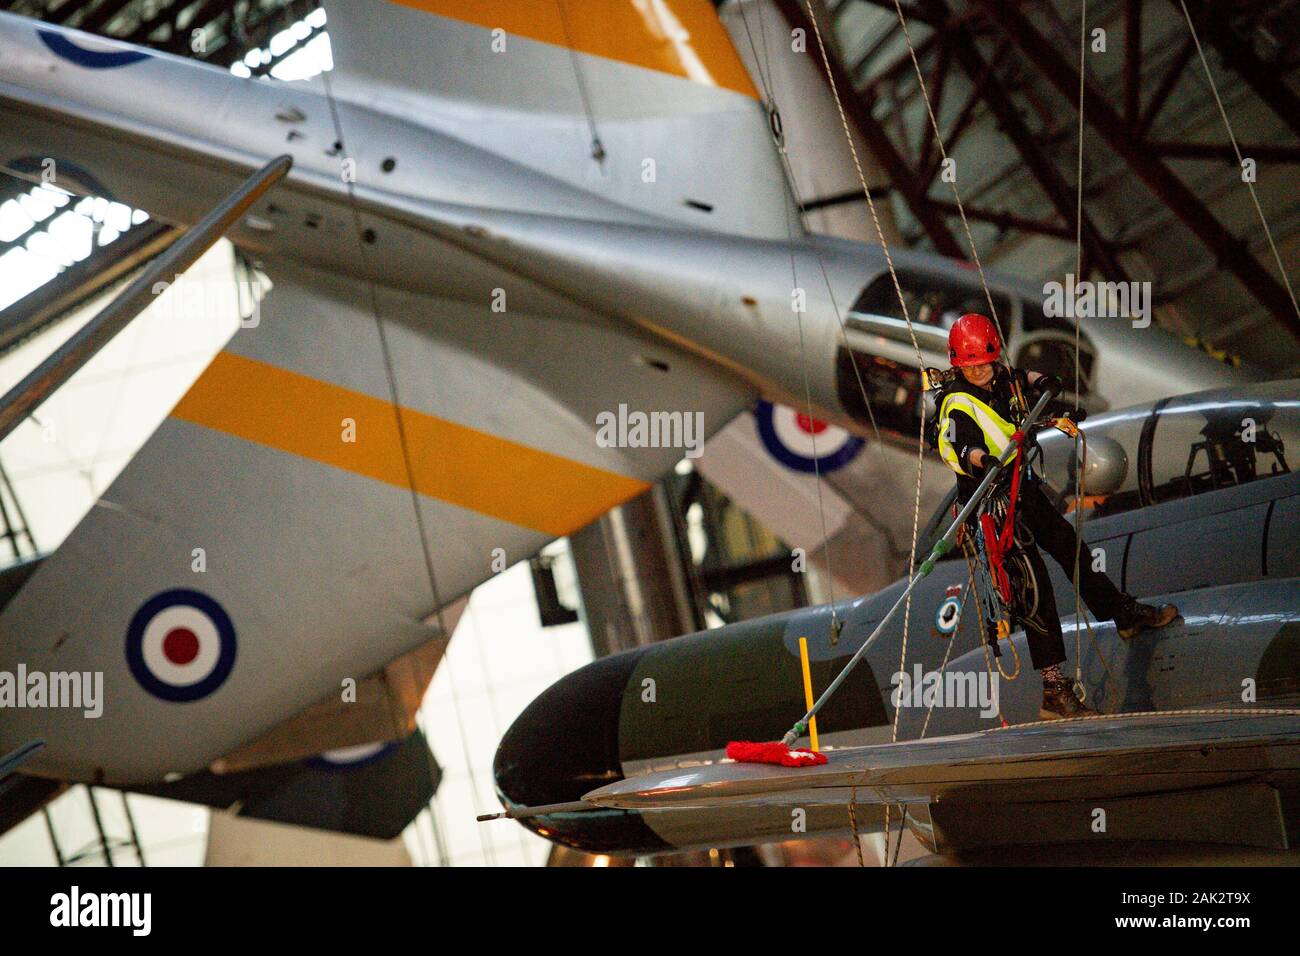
(9, 762)
(546, 809)
(941, 547)
(60, 365)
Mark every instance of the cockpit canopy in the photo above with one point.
(878, 363)
(1176, 448)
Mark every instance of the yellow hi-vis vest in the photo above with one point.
(997, 430)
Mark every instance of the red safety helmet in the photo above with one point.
(973, 340)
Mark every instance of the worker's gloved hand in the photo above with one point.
(1051, 384)
(987, 464)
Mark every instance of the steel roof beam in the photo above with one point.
(1231, 252)
(1260, 76)
(1044, 170)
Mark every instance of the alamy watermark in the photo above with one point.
(637, 429)
(133, 911)
(1084, 299)
(970, 689)
(184, 298)
(75, 690)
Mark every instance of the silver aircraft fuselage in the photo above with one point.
(441, 216)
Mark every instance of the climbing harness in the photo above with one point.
(998, 544)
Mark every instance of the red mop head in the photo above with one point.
(775, 752)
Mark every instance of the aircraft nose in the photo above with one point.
(565, 744)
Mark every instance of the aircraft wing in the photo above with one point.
(382, 709)
(1194, 777)
(372, 791)
(262, 548)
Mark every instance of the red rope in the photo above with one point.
(997, 545)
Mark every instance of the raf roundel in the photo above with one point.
(180, 645)
(803, 443)
(350, 758)
(96, 55)
(948, 616)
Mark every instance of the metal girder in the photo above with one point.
(938, 80)
(63, 362)
(1232, 253)
(953, 39)
(97, 19)
(1225, 153)
(909, 10)
(859, 113)
(67, 11)
(1009, 220)
(1241, 59)
(1168, 81)
(966, 113)
(902, 64)
(882, 41)
(168, 13)
(1062, 196)
(1132, 60)
(843, 198)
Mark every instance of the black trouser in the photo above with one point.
(1055, 535)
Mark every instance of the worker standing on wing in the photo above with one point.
(978, 413)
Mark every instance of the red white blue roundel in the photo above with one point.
(948, 616)
(95, 54)
(348, 758)
(790, 435)
(180, 645)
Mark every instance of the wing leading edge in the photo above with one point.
(1173, 776)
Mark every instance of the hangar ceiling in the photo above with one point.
(1163, 194)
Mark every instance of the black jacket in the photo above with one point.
(967, 436)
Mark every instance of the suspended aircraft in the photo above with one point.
(1196, 758)
(498, 225)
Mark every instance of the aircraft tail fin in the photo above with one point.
(645, 104)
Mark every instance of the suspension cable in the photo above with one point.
(1080, 463)
(943, 154)
(404, 445)
(911, 332)
(1241, 161)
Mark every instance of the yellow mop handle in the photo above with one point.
(807, 688)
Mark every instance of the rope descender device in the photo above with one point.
(1067, 425)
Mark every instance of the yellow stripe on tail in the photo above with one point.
(680, 37)
(304, 416)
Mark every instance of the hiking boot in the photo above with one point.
(1134, 617)
(1060, 702)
